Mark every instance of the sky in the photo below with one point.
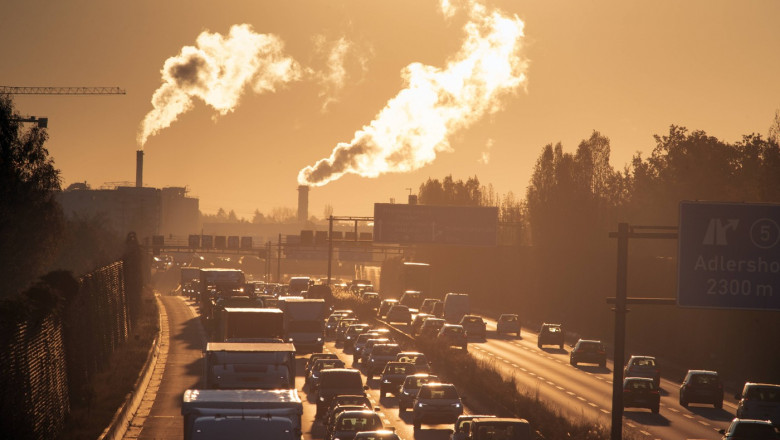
(240, 101)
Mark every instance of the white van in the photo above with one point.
(456, 305)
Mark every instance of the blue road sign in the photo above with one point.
(729, 256)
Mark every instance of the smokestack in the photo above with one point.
(412, 199)
(139, 169)
(303, 203)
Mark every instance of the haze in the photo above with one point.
(627, 69)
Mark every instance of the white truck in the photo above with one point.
(455, 306)
(242, 414)
(299, 285)
(242, 365)
(304, 323)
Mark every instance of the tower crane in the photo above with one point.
(11, 90)
(44, 122)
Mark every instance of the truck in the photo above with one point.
(298, 285)
(256, 365)
(215, 283)
(260, 414)
(250, 323)
(189, 279)
(456, 305)
(304, 323)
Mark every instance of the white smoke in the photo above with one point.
(333, 79)
(416, 124)
(217, 70)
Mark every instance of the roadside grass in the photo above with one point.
(93, 408)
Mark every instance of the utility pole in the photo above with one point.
(279, 260)
(330, 247)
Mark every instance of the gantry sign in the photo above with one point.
(729, 256)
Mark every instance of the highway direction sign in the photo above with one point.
(729, 256)
(428, 224)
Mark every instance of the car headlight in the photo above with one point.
(456, 405)
(322, 399)
(385, 381)
(319, 339)
(289, 339)
(420, 405)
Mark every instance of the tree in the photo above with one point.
(31, 220)
(774, 128)
(258, 217)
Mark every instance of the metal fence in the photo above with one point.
(52, 342)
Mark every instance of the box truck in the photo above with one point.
(243, 365)
(304, 323)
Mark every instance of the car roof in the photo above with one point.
(438, 385)
(638, 379)
(714, 373)
(452, 325)
(589, 341)
(641, 357)
(410, 353)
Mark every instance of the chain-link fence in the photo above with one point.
(55, 337)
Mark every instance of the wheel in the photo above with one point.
(401, 407)
(560, 346)
(382, 394)
(719, 404)
(603, 364)
(656, 409)
(573, 362)
(417, 425)
(539, 345)
(683, 402)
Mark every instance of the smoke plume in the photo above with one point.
(416, 124)
(217, 70)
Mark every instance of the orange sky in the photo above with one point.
(627, 69)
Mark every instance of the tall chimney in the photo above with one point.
(303, 203)
(139, 169)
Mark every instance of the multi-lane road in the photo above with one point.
(581, 393)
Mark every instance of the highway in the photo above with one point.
(583, 392)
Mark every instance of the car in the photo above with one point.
(382, 434)
(372, 299)
(474, 325)
(643, 366)
(453, 335)
(461, 430)
(313, 378)
(352, 333)
(360, 344)
(335, 381)
(430, 328)
(332, 322)
(399, 314)
(344, 400)
(702, 386)
(393, 377)
(750, 429)
(759, 401)
(436, 403)
(551, 334)
(419, 360)
(314, 357)
(438, 309)
(349, 423)
(380, 355)
(410, 387)
(491, 428)
(342, 327)
(417, 322)
(412, 299)
(334, 411)
(641, 392)
(366, 352)
(384, 307)
(427, 305)
(588, 351)
(508, 323)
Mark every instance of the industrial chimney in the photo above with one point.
(303, 203)
(139, 169)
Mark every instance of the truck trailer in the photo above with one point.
(239, 365)
(237, 414)
(304, 323)
(250, 323)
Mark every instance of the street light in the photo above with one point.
(42, 122)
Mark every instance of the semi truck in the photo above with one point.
(250, 323)
(256, 365)
(304, 323)
(257, 414)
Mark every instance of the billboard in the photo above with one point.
(729, 256)
(429, 224)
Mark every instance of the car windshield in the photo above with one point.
(553, 329)
(764, 394)
(644, 362)
(639, 385)
(754, 430)
(448, 393)
(510, 318)
(704, 379)
(453, 330)
(590, 346)
(327, 363)
(340, 379)
(400, 369)
(385, 350)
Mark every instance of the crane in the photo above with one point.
(44, 122)
(11, 90)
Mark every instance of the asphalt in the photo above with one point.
(179, 367)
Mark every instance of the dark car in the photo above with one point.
(353, 331)
(419, 360)
(453, 335)
(334, 411)
(342, 327)
(641, 392)
(590, 352)
(430, 328)
(380, 355)
(643, 366)
(314, 357)
(410, 387)
(313, 378)
(393, 377)
(384, 307)
(366, 352)
(349, 423)
(418, 321)
(759, 401)
(399, 314)
(337, 381)
(428, 304)
(701, 386)
(750, 429)
(436, 403)
(382, 434)
(474, 325)
(508, 323)
(551, 334)
(344, 400)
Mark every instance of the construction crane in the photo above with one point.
(11, 90)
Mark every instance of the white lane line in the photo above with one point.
(559, 387)
(581, 398)
(593, 404)
(688, 416)
(703, 422)
(673, 410)
(570, 393)
(645, 432)
(604, 411)
(631, 425)
(515, 365)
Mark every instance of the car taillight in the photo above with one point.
(654, 391)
